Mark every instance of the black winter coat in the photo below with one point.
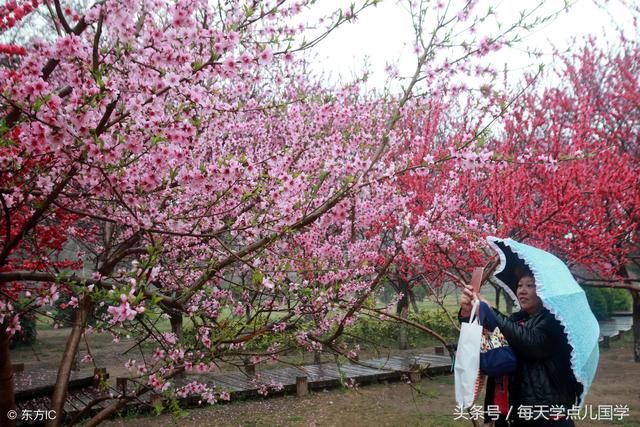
(544, 375)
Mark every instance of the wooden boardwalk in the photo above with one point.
(39, 382)
(613, 328)
(324, 375)
(34, 388)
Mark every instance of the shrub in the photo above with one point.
(63, 316)
(261, 342)
(28, 334)
(63, 312)
(373, 331)
(435, 320)
(604, 301)
(620, 300)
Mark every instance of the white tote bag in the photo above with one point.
(467, 364)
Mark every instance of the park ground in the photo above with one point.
(428, 403)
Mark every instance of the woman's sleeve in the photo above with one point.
(535, 342)
(488, 316)
(485, 314)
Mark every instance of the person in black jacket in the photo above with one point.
(543, 386)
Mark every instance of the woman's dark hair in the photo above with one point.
(522, 270)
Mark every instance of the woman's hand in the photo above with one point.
(466, 302)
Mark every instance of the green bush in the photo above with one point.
(28, 334)
(620, 300)
(435, 320)
(604, 301)
(63, 316)
(260, 342)
(371, 331)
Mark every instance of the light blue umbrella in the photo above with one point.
(561, 295)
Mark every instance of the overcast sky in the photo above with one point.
(383, 34)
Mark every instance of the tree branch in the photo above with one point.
(415, 325)
(61, 17)
(12, 276)
(96, 44)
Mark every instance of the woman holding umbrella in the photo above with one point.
(555, 368)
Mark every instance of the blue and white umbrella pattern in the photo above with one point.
(561, 295)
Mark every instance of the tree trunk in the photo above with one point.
(403, 342)
(64, 372)
(636, 326)
(635, 314)
(414, 302)
(7, 396)
(509, 303)
(497, 298)
(175, 318)
(402, 310)
(75, 366)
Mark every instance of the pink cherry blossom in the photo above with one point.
(265, 56)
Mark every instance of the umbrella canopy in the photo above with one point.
(560, 294)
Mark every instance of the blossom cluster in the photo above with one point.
(13, 12)
(12, 49)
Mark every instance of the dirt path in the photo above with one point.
(430, 403)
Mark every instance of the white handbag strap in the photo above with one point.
(476, 306)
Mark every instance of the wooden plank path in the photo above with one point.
(34, 389)
(615, 327)
(39, 382)
(324, 375)
(35, 393)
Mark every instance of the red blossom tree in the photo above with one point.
(564, 172)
